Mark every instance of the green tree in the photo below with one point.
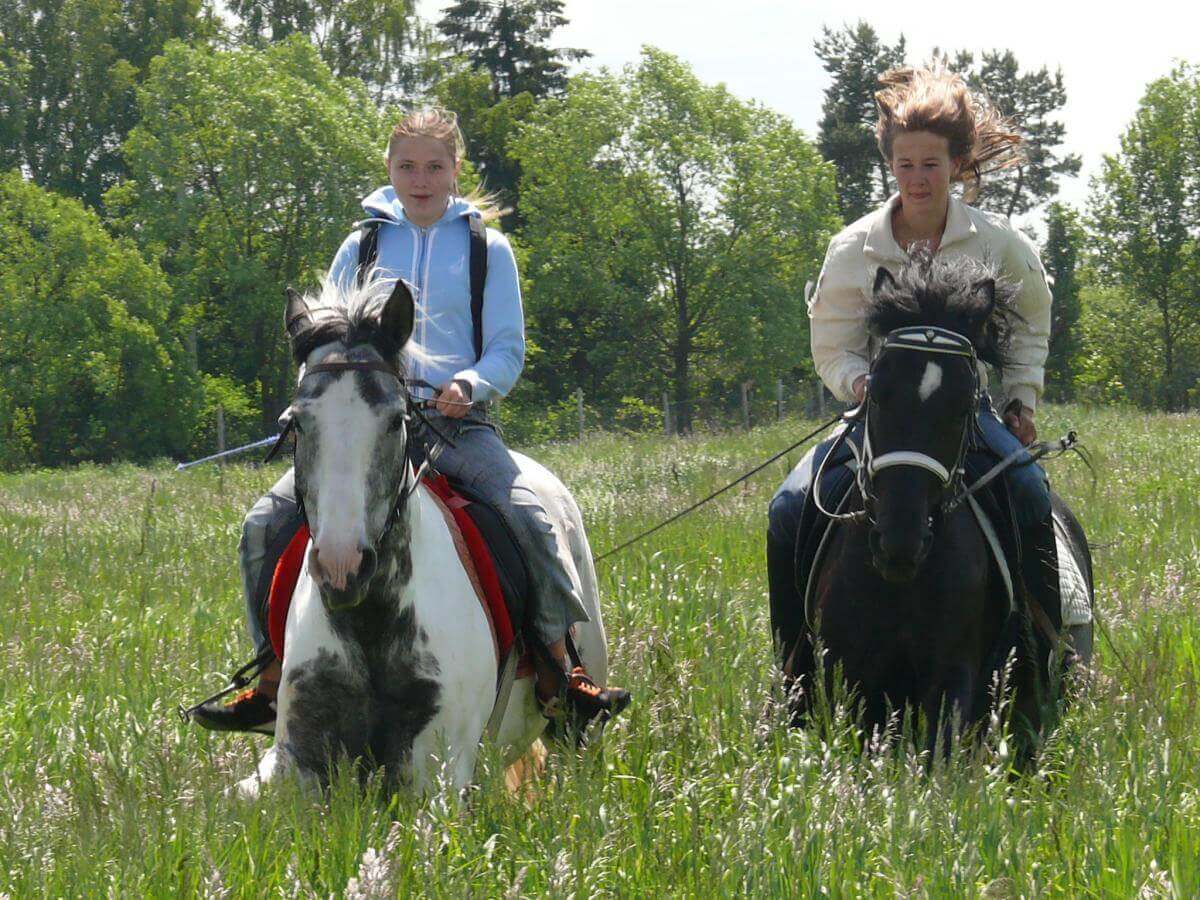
(671, 228)
(1145, 206)
(1060, 255)
(1032, 100)
(509, 39)
(69, 70)
(91, 369)
(248, 167)
(380, 42)
(855, 58)
(489, 125)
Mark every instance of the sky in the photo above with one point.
(763, 50)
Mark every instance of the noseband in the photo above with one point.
(338, 365)
(914, 339)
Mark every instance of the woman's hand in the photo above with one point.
(453, 399)
(860, 388)
(1021, 423)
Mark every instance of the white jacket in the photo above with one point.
(841, 347)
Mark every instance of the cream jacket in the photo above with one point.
(841, 347)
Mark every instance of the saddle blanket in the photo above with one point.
(472, 549)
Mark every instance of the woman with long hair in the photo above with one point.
(419, 228)
(934, 133)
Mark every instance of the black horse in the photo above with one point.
(903, 594)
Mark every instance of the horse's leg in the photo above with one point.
(519, 777)
(324, 705)
(947, 705)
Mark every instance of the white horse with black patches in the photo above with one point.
(389, 654)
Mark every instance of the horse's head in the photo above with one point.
(349, 414)
(935, 320)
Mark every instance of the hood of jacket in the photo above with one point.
(383, 204)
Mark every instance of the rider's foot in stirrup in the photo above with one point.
(589, 700)
(251, 710)
(579, 704)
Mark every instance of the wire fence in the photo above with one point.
(741, 408)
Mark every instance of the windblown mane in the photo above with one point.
(954, 294)
(351, 315)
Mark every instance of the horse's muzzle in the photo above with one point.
(344, 589)
(899, 558)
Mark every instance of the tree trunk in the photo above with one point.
(1016, 194)
(1168, 355)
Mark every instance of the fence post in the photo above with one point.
(667, 413)
(746, 405)
(820, 399)
(220, 429)
(778, 399)
(579, 406)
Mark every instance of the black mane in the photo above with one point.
(961, 295)
(352, 320)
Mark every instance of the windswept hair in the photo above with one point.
(442, 125)
(939, 101)
(962, 295)
(350, 314)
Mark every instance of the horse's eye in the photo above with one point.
(397, 423)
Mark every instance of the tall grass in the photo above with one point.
(121, 598)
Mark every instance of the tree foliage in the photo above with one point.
(377, 41)
(510, 40)
(671, 228)
(1145, 206)
(247, 168)
(69, 70)
(1061, 257)
(91, 369)
(855, 58)
(1032, 100)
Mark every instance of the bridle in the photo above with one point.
(916, 339)
(413, 408)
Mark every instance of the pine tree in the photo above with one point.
(855, 57)
(509, 39)
(1031, 100)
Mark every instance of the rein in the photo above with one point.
(916, 339)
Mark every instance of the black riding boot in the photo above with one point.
(1040, 569)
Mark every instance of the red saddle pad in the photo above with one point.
(472, 549)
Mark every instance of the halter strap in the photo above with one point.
(347, 365)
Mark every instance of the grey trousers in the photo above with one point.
(481, 462)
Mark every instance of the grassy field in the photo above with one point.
(120, 598)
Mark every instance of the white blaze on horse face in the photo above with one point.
(930, 381)
(348, 429)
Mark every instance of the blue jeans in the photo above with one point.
(1026, 480)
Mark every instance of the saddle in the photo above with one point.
(489, 552)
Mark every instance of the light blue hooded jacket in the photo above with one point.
(436, 261)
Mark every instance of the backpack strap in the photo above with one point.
(478, 262)
(368, 248)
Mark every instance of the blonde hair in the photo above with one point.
(442, 125)
(938, 101)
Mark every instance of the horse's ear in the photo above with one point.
(399, 314)
(883, 277)
(296, 316)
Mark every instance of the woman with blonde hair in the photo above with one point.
(934, 133)
(470, 339)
